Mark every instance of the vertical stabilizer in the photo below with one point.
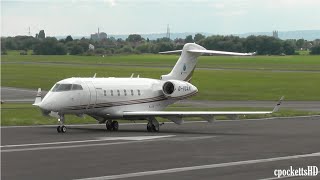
(186, 63)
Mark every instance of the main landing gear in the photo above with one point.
(112, 125)
(153, 125)
(61, 128)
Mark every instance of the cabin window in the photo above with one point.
(118, 92)
(125, 92)
(105, 93)
(111, 92)
(131, 92)
(76, 87)
(139, 92)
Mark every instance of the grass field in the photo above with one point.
(255, 62)
(212, 85)
(237, 83)
(30, 115)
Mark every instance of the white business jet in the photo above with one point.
(133, 98)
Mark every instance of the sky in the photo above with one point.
(83, 17)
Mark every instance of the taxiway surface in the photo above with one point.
(240, 149)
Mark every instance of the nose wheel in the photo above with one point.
(61, 128)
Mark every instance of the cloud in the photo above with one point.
(231, 13)
(111, 3)
(217, 5)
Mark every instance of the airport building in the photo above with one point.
(99, 36)
(275, 34)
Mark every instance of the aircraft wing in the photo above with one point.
(176, 116)
(191, 113)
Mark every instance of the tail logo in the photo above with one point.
(184, 67)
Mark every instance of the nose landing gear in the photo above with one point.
(61, 128)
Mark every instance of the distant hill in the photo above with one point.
(304, 34)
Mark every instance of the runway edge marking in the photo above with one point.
(192, 168)
(186, 122)
(73, 146)
(130, 138)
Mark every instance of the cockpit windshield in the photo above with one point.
(66, 87)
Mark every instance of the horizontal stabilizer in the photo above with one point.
(220, 52)
(169, 52)
(213, 52)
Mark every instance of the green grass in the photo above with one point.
(255, 62)
(26, 114)
(212, 85)
(11, 53)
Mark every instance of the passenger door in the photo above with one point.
(92, 94)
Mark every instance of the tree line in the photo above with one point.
(136, 44)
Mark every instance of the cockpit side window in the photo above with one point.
(61, 87)
(55, 87)
(64, 87)
(76, 87)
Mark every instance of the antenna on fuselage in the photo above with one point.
(95, 74)
(132, 75)
(138, 76)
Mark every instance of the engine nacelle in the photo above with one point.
(178, 89)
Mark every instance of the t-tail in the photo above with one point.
(187, 61)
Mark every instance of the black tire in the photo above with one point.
(109, 126)
(149, 127)
(115, 125)
(59, 129)
(63, 129)
(155, 128)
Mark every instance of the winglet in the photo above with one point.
(38, 99)
(277, 107)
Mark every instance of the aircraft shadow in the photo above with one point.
(161, 132)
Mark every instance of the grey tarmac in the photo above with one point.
(239, 149)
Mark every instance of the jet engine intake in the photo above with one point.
(177, 89)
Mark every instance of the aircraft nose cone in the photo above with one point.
(43, 105)
(46, 105)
